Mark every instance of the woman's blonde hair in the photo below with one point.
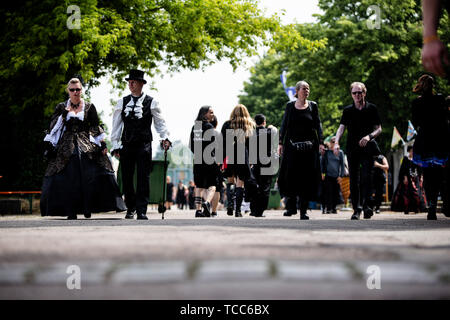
(240, 119)
(299, 85)
(73, 81)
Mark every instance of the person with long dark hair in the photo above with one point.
(79, 178)
(205, 165)
(300, 141)
(432, 144)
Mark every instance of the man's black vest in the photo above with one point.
(137, 129)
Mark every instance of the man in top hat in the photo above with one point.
(131, 139)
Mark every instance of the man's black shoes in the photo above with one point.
(368, 213)
(356, 215)
(141, 216)
(130, 215)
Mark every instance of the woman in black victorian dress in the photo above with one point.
(79, 178)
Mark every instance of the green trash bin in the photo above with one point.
(274, 199)
(157, 182)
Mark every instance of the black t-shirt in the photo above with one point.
(359, 123)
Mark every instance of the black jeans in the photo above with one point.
(360, 168)
(137, 157)
(435, 181)
(331, 192)
(260, 200)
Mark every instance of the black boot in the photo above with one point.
(432, 212)
(130, 214)
(356, 214)
(304, 210)
(230, 198)
(239, 199)
(206, 209)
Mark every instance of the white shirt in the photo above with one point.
(158, 121)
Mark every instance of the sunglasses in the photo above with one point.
(75, 89)
(357, 92)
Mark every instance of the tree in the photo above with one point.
(387, 60)
(44, 44)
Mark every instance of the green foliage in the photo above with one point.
(387, 60)
(39, 54)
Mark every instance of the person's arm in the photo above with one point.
(160, 124)
(339, 134)
(364, 140)
(318, 126)
(434, 52)
(117, 127)
(283, 129)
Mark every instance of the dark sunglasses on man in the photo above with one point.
(74, 89)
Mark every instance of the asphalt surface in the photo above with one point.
(391, 256)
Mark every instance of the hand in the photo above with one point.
(280, 149)
(166, 144)
(405, 180)
(336, 149)
(116, 154)
(363, 142)
(433, 54)
(339, 179)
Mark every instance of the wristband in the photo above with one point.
(429, 39)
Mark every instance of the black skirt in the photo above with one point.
(82, 187)
(300, 173)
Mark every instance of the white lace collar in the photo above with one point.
(137, 107)
(71, 114)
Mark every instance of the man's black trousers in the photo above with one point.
(360, 168)
(139, 157)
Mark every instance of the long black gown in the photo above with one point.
(79, 179)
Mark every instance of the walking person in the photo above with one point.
(260, 201)
(409, 195)
(131, 139)
(332, 172)
(300, 142)
(430, 117)
(219, 177)
(364, 125)
(170, 188)
(191, 197)
(380, 171)
(79, 178)
(205, 165)
(181, 195)
(236, 133)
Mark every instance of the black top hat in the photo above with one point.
(136, 75)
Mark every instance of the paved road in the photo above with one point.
(180, 257)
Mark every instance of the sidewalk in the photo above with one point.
(180, 257)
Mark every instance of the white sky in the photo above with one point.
(181, 95)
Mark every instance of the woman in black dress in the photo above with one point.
(300, 141)
(236, 133)
(79, 178)
(432, 144)
(409, 195)
(205, 165)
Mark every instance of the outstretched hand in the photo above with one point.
(166, 144)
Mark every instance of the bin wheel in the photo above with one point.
(161, 208)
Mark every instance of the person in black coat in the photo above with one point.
(430, 117)
(262, 177)
(300, 141)
(203, 136)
